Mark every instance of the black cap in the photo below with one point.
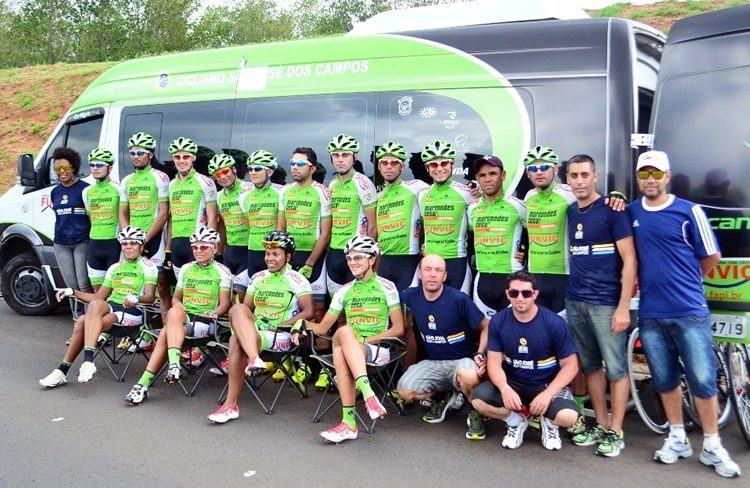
(488, 159)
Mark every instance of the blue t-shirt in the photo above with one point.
(447, 325)
(595, 264)
(531, 350)
(72, 225)
(671, 240)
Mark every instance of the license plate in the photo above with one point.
(729, 326)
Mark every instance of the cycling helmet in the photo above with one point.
(343, 143)
(142, 139)
(183, 144)
(438, 149)
(394, 149)
(279, 239)
(103, 155)
(205, 234)
(220, 161)
(540, 153)
(131, 234)
(364, 244)
(263, 158)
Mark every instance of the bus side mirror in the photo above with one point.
(26, 172)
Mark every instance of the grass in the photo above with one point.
(614, 10)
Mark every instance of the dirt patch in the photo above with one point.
(663, 15)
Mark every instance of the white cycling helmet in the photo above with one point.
(131, 234)
(205, 234)
(363, 244)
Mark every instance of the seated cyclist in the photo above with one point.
(201, 295)
(277, 296)
(369, 303)
(126, 283)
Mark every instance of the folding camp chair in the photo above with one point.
(382, 377)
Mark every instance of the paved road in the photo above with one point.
(168, 442)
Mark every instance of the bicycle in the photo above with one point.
(734, 328)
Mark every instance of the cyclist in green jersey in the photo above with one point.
(202, 294)
(261, 205)
(496, 221)
(399, 222)
(102, 202)
(277, 296)
(232, 221)
(353, 200)
(370, 303)
(443, 206)
(126, 283)
(192, 204)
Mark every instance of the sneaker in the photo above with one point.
(673, 449)
(55, 378)
(593, 434)
(87, 371)
(192, 357)
(224, 414)
(426, 403)
(534, 422)
(255, 366)
(396, 398)
(437, 411)
(173, 374)
(322, 382)
(302, 374)
(224, 368)
(374, 408)
(137, 394)
(103, 339)
(458, 401)
(143, 345)
(514, 437)
(719, 459)
(578, 428)
(278, 374)
(475, 426)
(340, 433)
(550, 435)
(125, 343)
(611, 444)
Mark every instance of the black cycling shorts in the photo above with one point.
(337, 269)
(235, 258)
(255, 261)
(552, 291)
(401, 270)
(459, 274)
(317, 279)
(101, 254)
(182, 253)
(489, 292)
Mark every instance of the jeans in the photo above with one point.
(591, 326)
(71, 258)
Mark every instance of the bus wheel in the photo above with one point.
(23, 286)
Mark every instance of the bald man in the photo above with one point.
(454, 334)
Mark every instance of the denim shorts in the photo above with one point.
(666, 341)
(591, 326)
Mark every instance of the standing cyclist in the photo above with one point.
(232, 221)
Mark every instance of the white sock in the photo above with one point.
(515, 419)
(711, 442)
(677, 431)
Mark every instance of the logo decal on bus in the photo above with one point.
(405, 106)
(162, 83)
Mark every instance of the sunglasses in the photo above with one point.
(200, 247)
(97, 165)
(256, 169)
(182, 157)
(59, 168)
(513, 293)
(271, 245)
(341, 154)
(301, 163)
(131, 243)
(220, 173)
(356, 258)
(390, 163)
(540, 167)
(644, 174)
(138, 152)
(435, 164)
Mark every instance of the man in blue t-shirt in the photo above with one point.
(449, 324)
(530, 361)
(597, 302)
(676, 247)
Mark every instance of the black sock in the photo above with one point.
(64, 367)
(88, 354)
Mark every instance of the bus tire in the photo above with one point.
(24, 286)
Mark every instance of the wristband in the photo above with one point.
(481, 355)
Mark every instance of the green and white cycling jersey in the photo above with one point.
(142, 191)
(305, 208)
(201, 286)
(276, 295)
(547, 224)
(188, 200)
(398, 217)
(261, 207)
(235, 221)
(129, 278)
(102, 202)
(349, 200)
(366, 304)
(497, 228)
(443, 207)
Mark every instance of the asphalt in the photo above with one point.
(85, 435)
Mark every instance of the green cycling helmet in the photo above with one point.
(183, 144)
(142, 139)
(540, 153)
(220, 161)
(103, 155)
(343, 143)
(438, 149)
(394, 149)
(263, 158)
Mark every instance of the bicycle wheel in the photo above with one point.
(738, 364)
(646, 399)
(723, 391)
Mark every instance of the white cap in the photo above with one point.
(657, 159)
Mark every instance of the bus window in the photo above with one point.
(82, 136)
(132, 124)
